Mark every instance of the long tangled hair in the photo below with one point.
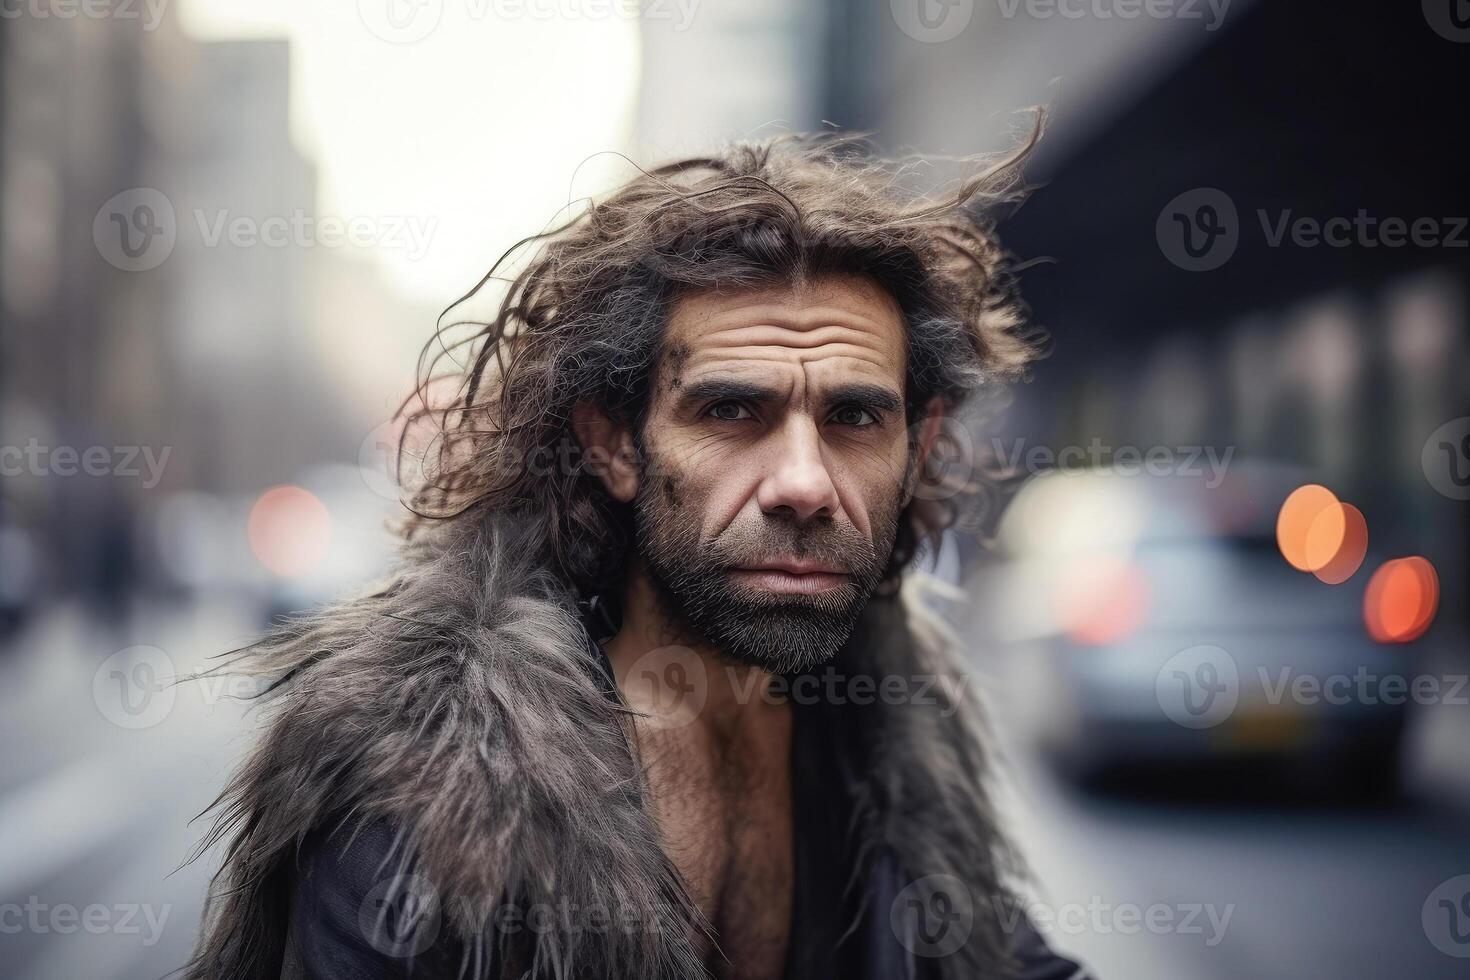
(584, 316)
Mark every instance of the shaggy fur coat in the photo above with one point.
(460, 704)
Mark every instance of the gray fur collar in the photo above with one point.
(461, 705)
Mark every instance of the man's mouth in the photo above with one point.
(792, 577)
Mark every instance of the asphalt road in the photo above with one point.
(1173, 889)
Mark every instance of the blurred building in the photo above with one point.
(91, 108)
(243, 306)
(160, 283)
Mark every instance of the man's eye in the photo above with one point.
(728, 411)
(852, 415)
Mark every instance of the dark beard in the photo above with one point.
(778, 633)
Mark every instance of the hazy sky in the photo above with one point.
(449, 113)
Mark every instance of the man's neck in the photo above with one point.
(679, 678)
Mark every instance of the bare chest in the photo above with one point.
(727, 826)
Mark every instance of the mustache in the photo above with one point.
(838, 545)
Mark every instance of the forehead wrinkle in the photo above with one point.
(799, 319)
(730, 333)
(705, 362)
(774, 335)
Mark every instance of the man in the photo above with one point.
(644, 698)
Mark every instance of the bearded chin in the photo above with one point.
(779, 633)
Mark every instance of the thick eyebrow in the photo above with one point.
(876, 398)
(723, 389)
(873, 397)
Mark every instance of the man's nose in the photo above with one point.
(798, 481)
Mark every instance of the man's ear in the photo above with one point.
(609, 450)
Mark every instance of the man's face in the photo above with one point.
(777, 460)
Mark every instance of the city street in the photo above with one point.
(95, 818)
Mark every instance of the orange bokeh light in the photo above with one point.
(289, 530)
(1350, 528)
(1401, 600)
(1310, 527)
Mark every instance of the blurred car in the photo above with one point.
(1166, 630)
